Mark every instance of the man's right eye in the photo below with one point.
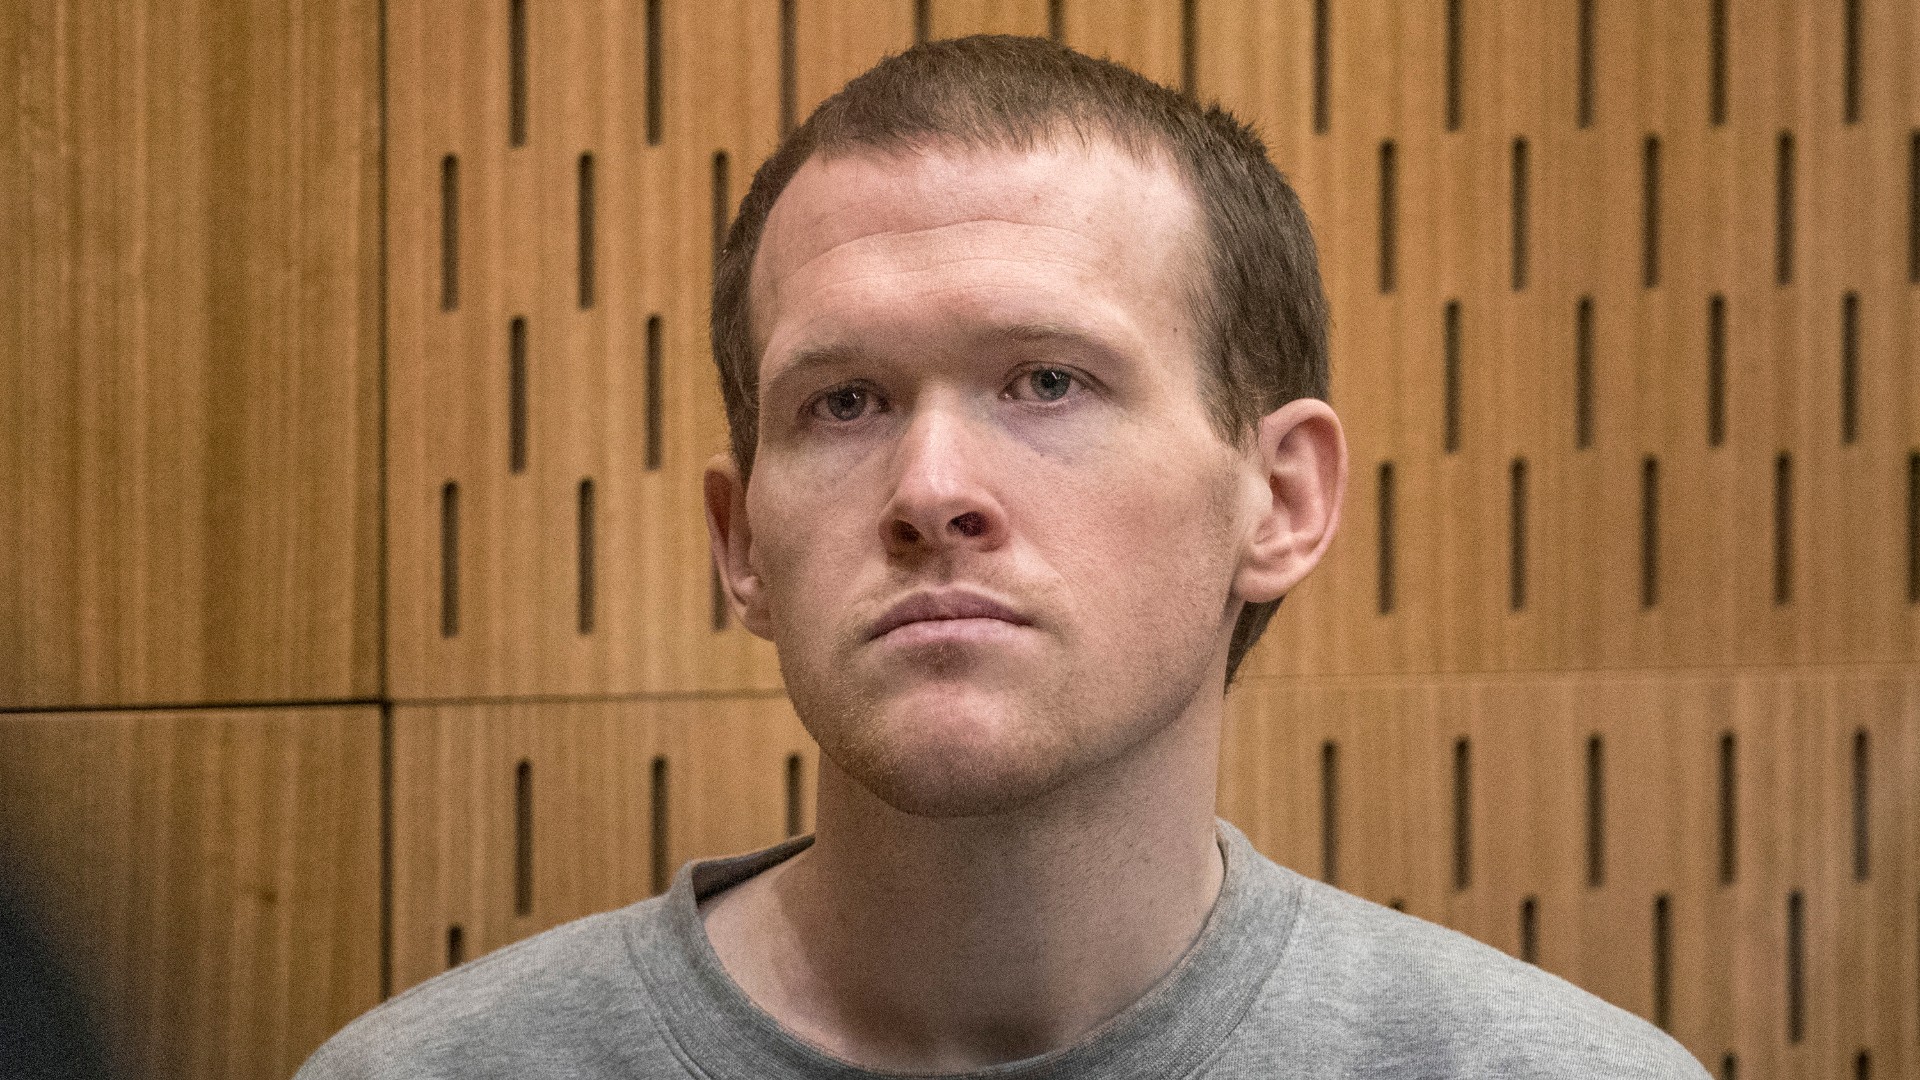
(843, 403)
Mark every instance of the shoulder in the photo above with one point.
(536, 1008)
(1384, 991)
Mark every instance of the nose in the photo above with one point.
(941, 498)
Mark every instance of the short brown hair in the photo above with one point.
(1262, 311)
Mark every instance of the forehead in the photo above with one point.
(980, 232)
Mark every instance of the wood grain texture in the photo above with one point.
(1660, 823)
(213, 877)
(192, 408)
(591, 768)
(189, 372)
(1518, 182)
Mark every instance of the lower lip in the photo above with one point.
(949, 631)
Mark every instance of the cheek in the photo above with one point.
(1143, 539)
(807, 552)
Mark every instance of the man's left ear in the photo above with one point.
(1301, 455)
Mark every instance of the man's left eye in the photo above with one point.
(1047, 384)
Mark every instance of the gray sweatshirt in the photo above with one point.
(1289, 977)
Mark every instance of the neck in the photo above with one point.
(918, 944)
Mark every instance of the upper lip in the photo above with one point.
(944, 604)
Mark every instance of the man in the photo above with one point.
(1024, 359)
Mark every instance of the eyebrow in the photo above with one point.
(826, 356)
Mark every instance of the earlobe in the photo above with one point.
(1301, 458)
(731, 537)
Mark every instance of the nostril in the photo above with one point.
(905, 533)
(971, 523)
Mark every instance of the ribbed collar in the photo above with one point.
(1169, 1032)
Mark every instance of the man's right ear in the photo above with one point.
(731, 537)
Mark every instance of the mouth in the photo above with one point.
(952, 605)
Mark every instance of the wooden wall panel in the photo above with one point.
(518, 624)
(193, 439)
(1529, 816)
(1517, 198)
(1715, 209)
(483, 857)
(189, 370)
(213, 877)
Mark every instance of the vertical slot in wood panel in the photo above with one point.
(1057, 20)
(1862, 1066)
(1583, 89)
(1913, 207)
(1663, 962)
(1189, 47)
(1850, 64)
(1796, 968)
(1862, 804)
(1849, 368)
(1583, 373)
(1454, 42)
(657, 853)
(585, 530)
(1519, 223)
(1729, 809)
(1913, 527)
(1389, 198)
(517, 72)
(1649, 532)
(793, 794)
(1717, 62)
(789, 66)
(456, 946)
(1386, 538)
(449, 559)
(449, 233)
(586, 230)
(653, 75)
(1729, 1067)
(722, 217)
(722, 205)
(1517, 536)
(517, 395)
(523, 838)
(1322, 68)
(1596, 813)
(1783, 211)
(1650, 213)
(1530, 929)
(1716, 370)
(655, 438)
(1329, 812)
(1783, 529)
(1462, 813)
(1451, 389)
(922, 20)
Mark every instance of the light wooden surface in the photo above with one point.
(591, 767)
(211, 877)
(1586, 191)
(200, 507)
(189, 365)
(1661, 834)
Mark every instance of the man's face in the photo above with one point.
(980, 383)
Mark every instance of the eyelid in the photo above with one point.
(1086, 381)
(878, 401)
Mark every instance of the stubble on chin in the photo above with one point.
(927, 743)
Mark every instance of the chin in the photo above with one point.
(933, 789)
(953, 758)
